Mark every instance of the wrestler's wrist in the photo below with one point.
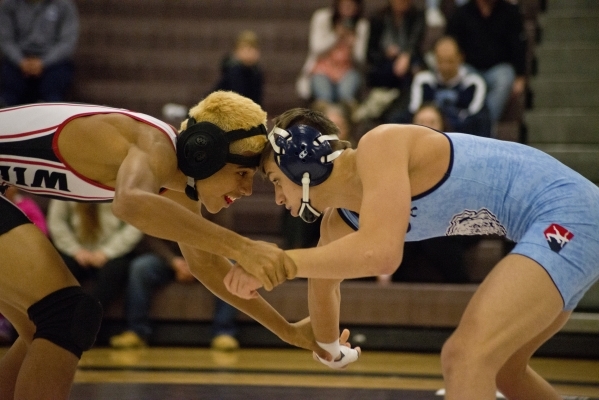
(290, 267)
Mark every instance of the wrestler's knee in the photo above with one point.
(69, 318)
(463, 353)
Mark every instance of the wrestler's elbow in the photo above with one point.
(126, 206)
(383, 260)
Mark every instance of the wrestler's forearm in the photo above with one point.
(352, 256)
(165, 218)
(323, 303)
(210, 270)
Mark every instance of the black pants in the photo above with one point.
(104, 283)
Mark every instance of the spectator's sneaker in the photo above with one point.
(224, 343)
(127, 340)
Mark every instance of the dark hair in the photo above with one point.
(354, 19)
(446, 125)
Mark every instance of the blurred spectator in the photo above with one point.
(394, 54)
(160, 264)
(434, 15)
(28, 206)
(458, 92)
(95, 245)
(491, 35)
(37, 39)
(339, 113)
(240, 69)
(396, 35)
(337, 51)
(430, 115)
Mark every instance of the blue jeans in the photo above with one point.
(146, 273)
(345, 90)
(50, 86)
(499, 79)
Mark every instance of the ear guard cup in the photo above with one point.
(301, 152)
(202, 150)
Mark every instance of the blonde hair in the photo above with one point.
(230, 111)
(247, 38)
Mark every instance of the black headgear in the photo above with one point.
(305, 156)
(203, 149)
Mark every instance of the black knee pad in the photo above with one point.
(69, 318)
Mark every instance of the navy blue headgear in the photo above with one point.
(305, 156)
(203, 149)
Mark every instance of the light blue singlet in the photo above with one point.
(513, 190)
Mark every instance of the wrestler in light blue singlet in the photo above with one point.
(513, 190)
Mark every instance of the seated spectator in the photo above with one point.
(160, 264)
(28, 206)
(339, 113)
(430, 115)
(337, 51)
(458, 92)
(240, 69)
(95, 245)
(393, 53)
(37, 40)
(491, 35)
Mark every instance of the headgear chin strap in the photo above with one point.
(306, 212)
(203, 149)
(305, 156)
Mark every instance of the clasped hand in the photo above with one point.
(270, 265)
(242, 284)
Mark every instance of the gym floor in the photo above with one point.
(200, 373)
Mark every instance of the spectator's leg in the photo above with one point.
(499, 79)
(322, 88)
(348, 86)
(14, 85)
(111, 279)
(55, 81)
(80, 273)
(147, 272)
(224, 327)
(382, 76)
(224, 318)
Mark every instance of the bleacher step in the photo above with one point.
(563, 125)
(581, 158)
(575, 92)
(579, 57)
(571, 25)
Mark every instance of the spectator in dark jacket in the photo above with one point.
(396, 35)
(240, 71)
(460, 93)
(491, 35)
(37, 40)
